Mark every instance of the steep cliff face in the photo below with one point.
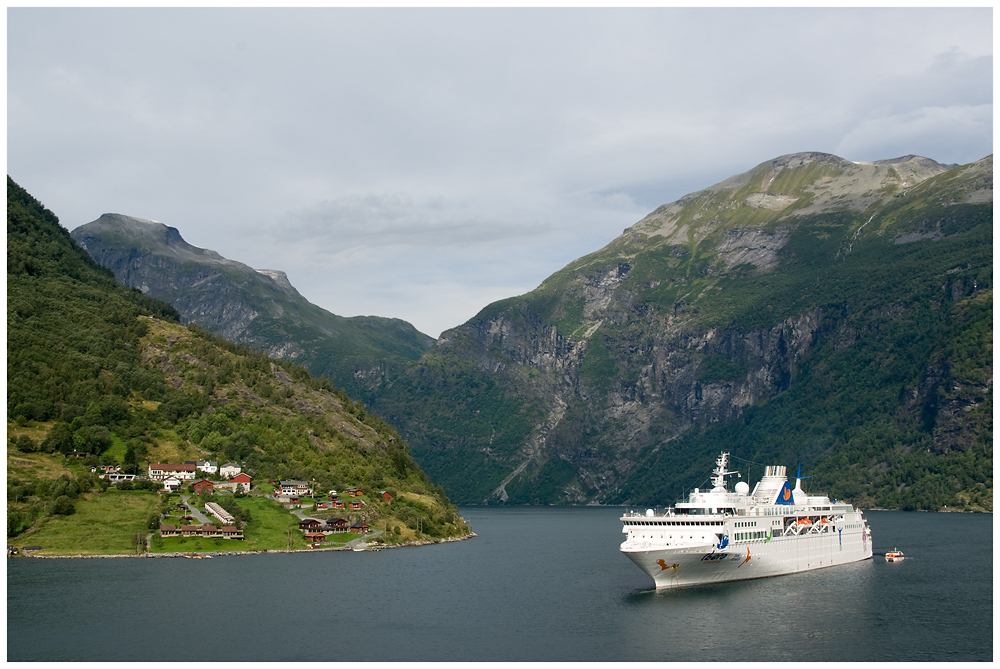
(259, 308)
(744, 298)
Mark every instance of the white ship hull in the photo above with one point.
(718, 535)
(695, 565)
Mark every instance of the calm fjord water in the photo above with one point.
(536, 584)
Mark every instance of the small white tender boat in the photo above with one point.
(895, 555)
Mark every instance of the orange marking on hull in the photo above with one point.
(745, 561)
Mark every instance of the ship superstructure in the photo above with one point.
(718, 535)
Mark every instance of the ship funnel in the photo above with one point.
(799, 495)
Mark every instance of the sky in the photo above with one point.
(422, 163)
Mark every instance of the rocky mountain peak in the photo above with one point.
(796, 184)
(279, 278)
(144, 235)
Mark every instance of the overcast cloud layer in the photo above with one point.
(422, 163)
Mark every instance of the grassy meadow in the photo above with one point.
(104, 524)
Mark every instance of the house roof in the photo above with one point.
(167, 467)
(240, 478)
(168, 527)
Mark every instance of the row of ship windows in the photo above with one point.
(749, 536)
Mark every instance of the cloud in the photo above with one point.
(943, 133)
(390, 219)
(426, 161)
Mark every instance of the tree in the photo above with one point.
(59, 438)
(130, 464)
(25, 444)
(62, 506)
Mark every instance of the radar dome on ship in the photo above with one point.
(742, 488)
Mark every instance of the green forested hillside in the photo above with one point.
(100, 374)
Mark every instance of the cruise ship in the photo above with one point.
(718, 535)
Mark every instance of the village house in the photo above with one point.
(315, 537)
(295, 488)
(386, 496)
(207, 466)
(337, 525)
(211, 531)
(171, 483)
(160, 471)
(207, 531)
(203, 485)
(231, 532)
(115, 477)
(229, 470)
(361, 528)
(354, 492)
(355, 504)
(219, 513)
(242, 479)
(169, 531)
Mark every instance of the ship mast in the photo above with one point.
(720, 473)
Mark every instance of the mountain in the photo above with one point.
(810, 310)
(101, 373)
(259, 308)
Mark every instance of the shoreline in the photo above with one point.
(266, 551)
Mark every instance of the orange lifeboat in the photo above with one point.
(804, 521)
(895, 555)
